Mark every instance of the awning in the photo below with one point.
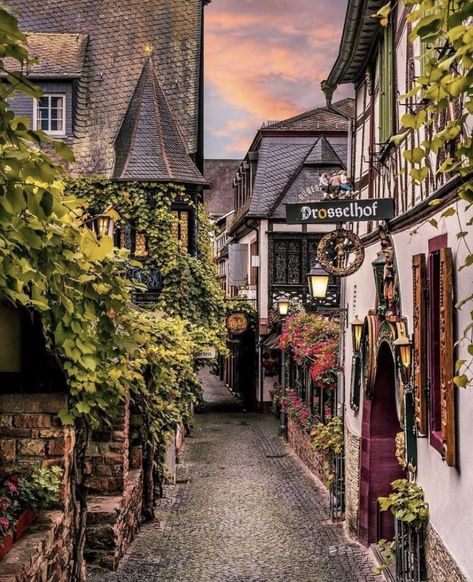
(271, 342)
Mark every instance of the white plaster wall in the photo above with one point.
(263, 270)
(448, 491)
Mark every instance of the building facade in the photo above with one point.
(407, 286)
(288, 162)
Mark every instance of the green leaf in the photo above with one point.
(461, 381)
(433, 223)
(449, 212)
(46, 202)
(64, 151)
(65, 416)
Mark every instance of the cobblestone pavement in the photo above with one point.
(244, 510)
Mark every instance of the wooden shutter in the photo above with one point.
(447, 387)
(420, 342)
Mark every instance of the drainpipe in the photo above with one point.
(260, 350)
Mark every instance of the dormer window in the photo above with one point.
(50, 114)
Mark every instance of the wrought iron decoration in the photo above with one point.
(341, 252)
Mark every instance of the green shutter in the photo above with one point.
(386, 86)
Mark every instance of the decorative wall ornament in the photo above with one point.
(420, 342)
(368, 353)
(447, 387)
(386, 280)
(341, 252)
(237, 323)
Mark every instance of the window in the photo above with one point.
(287, 262)
(386, 89)
(180, 229)
(50, 114)
(254, 270)
(440, 348)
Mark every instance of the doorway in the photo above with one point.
(379, 466)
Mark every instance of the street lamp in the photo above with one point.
(318, 282)
(356, 331)
(283, 306)
(283, 309)
(404, 354)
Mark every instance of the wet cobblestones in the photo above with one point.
(244, 510)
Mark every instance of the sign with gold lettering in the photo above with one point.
(334, 211)
(237, 323)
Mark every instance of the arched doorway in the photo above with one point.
(379, 466)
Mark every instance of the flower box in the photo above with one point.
(25, 519)
(6, 545)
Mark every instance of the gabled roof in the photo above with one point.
(323, 153)
(300, 188)
(118, 33)
(60, 56)
(359, 34)
(286, 166)
(149, 145)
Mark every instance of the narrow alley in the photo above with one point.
(244, 510)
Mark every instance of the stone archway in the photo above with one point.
(379, 466)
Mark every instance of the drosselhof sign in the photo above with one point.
(333, 211)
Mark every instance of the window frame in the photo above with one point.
(52, 132)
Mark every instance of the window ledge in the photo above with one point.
(436, 440)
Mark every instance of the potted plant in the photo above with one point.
(21, 497)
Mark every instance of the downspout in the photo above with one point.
(258, 343)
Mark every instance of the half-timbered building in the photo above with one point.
(407, 286)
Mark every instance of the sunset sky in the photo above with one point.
(264, 61)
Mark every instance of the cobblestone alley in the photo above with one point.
(244, 510)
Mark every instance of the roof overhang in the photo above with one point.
(359, 35)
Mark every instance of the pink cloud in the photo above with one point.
(266, 59)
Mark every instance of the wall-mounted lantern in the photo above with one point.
(318, 280)
(356, 332)
(101, 225)
(404, 355)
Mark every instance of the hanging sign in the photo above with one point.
(237, 323)
(333, 211)
(209, 353)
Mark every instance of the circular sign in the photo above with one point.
(340, 252)
(237, 323)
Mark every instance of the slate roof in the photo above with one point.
(322, 153)
(220, 173)
(118, 33)
(149, 145)
(60, 56)
(318, 119)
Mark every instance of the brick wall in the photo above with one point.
(30, 434)
(440, 564)
(352, 480)
(300, 442)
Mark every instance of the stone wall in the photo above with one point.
(352, 480)
(301, 443)
(30, 434)
(108, 455)
(440, 564)
(112, 522)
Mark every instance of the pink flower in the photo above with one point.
(4, 523)
(11, 487)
